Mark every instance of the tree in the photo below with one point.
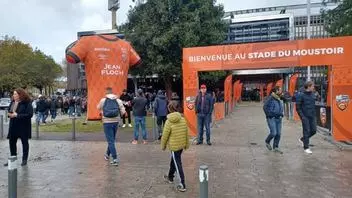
(339, 19)
(159, 29)
(21, 66)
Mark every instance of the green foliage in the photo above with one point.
(21, 66)
(339, 19)
(159, 29)
(212, 79)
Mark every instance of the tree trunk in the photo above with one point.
(168, 87)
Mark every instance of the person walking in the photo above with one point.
(53, 108)
(160, 110)
(305, 107)
(127, 102)
(111, 109)
(273, 110)
(20, 114)
(41, 109)
(139, 108)
(204, 108)
(175, 137)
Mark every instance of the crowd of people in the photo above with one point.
(58, 105)
(172, 127)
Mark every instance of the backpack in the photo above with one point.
(110, 108)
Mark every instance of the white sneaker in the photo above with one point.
(308, 151)
(130, 125)
(123, 126)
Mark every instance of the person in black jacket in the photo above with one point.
(273, 110)
(139, 107)
(41, 109)
(305, 107)
(20, 114)
(160, 110)
(204, 108)
(127, 103)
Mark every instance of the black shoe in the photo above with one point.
(6, 164)
(24, 163)
(209, 143)
(159, 138)
(198, 143)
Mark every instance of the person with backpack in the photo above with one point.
(160, 110)
(111, 108)
(175, 137)
(273, 109)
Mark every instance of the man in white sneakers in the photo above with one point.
(305, 106)
(111, 110)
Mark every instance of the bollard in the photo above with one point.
(2, 126)
(203, 181)
(6, 116)
(74, 128)
(155, 131)
(12, 177)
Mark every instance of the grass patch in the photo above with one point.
(92, 126)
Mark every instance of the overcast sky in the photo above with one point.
(51, 25)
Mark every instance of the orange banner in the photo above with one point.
(240, 88)
(325, 51)
(235, 91)
(219, 110)
(228, 88)
(293, 82)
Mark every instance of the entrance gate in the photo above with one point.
(335, 52)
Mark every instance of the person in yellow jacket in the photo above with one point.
(175, 137)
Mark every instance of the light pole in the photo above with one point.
(113, 6)
(308, 36)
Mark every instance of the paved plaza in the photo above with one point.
(239, 166)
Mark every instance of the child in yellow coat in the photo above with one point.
(175, 137)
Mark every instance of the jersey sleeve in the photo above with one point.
(78, 50)
(134, 57)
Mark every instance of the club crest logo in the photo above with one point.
(190, 102)
(342, 102)
(124, 54)
(323, 116)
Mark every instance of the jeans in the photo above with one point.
(274, 125)
(53, 114)
(160, 121)
(40, 117)
(110, 130)
(13, 147)
(71, 110)
(176, 157)
(203, 121)
(309, 125)
(139, 120)
(78, 110)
